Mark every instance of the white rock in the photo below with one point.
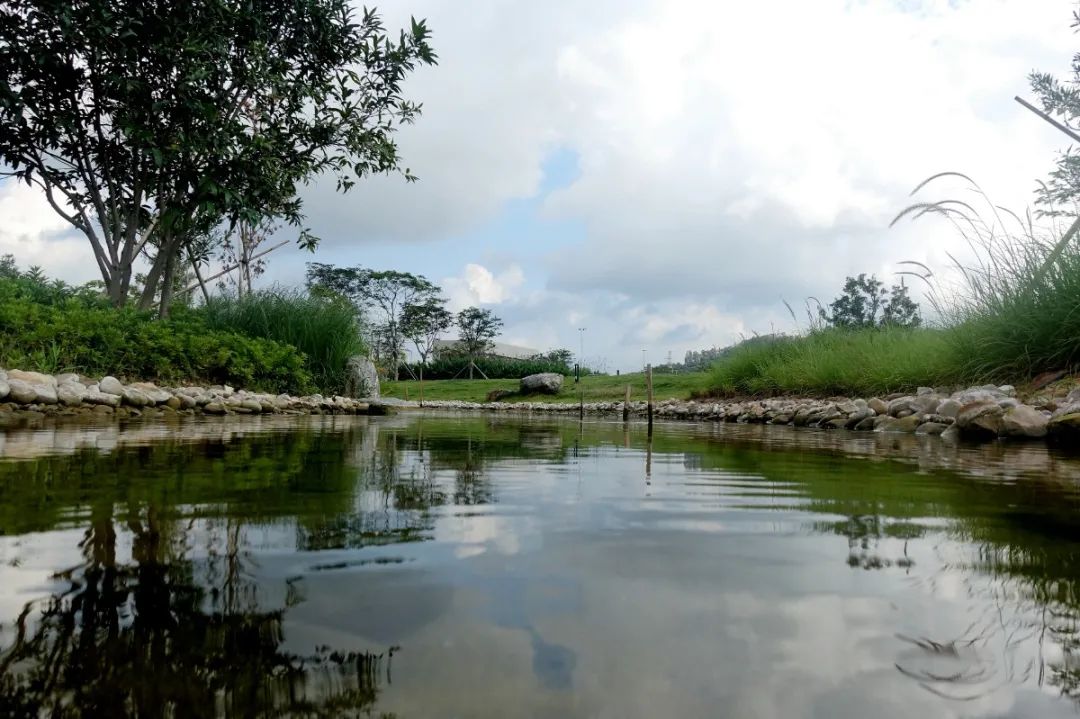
(135, 397)
(71, 393)
(32, 378)
(4, 388)
(94, 396)
(21, 392)
(111, 385)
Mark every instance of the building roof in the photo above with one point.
(500, 349)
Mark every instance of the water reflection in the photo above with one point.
(495, 566)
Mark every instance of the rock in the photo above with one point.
(70, 394)
(949, 408)
(32, 378)
(497, 395)
(1008, 390)
(865, 425)
(4, 389)
(361, 378)
(932, 428)
(175, 403)
(155, 394)
(544, 383)
(215, 407)
(135, 397)
(66, 377)
(980, 419)
(111, 385)
(900, 404)
(921, 391)
(951, 434)
(1024, 421)
(252, 405)
(878, 405)
(21, 392)
(902, 424)
(99, 398)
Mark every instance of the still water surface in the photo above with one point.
(427, 566)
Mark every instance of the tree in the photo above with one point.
(423, 322)
(148, 123)
(387, 292)
(1061, 193)
(477, 330)
(866, 303)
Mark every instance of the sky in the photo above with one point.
(666, 174)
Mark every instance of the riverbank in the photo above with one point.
(981, 413)
(28, 398)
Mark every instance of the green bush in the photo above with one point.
(325, 329)
(50, 327)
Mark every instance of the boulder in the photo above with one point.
(135, 397)
(71, 393)
(21, 392)
(66, 377)
(32, 378)
(544, 383)
(903, 424)
(931, 428)
(111, 385)
(878, 405)
(4, 389)
(101, 399)
(980, 419)
(361, 378)
(155, 394)
(214, 408)
(949, 408)
(1024, 421)
(497, 395)
(901, 404)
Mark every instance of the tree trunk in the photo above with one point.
(168, 278)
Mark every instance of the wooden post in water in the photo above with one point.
(626, 406)
(648, 389)
(421, 385)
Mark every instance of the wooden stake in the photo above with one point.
(648, 388)
(421, 385)
(626, 405)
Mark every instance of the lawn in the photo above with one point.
(596, 388)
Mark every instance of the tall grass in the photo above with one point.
(838, 361)
(1009, 311)
(325, 330)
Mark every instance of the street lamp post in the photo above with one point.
(581, 351)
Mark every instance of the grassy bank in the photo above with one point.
(596, 388)
(1011, 313)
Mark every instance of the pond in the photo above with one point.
(478, 566)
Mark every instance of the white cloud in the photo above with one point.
(477, 285)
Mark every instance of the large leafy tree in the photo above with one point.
(382, 293)
(147, 122)
(864, 302)
(477, 330)
(1061, 100)
(423, 322)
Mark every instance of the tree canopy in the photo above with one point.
(865, 302)
(146, 123)
(1061, 99)
(477, 330)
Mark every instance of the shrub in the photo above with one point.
(50, 327)
(324, 328)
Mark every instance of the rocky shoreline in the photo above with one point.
(980, 413)
(29, 397)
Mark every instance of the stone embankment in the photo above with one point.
(985, 412)
(25, 396)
